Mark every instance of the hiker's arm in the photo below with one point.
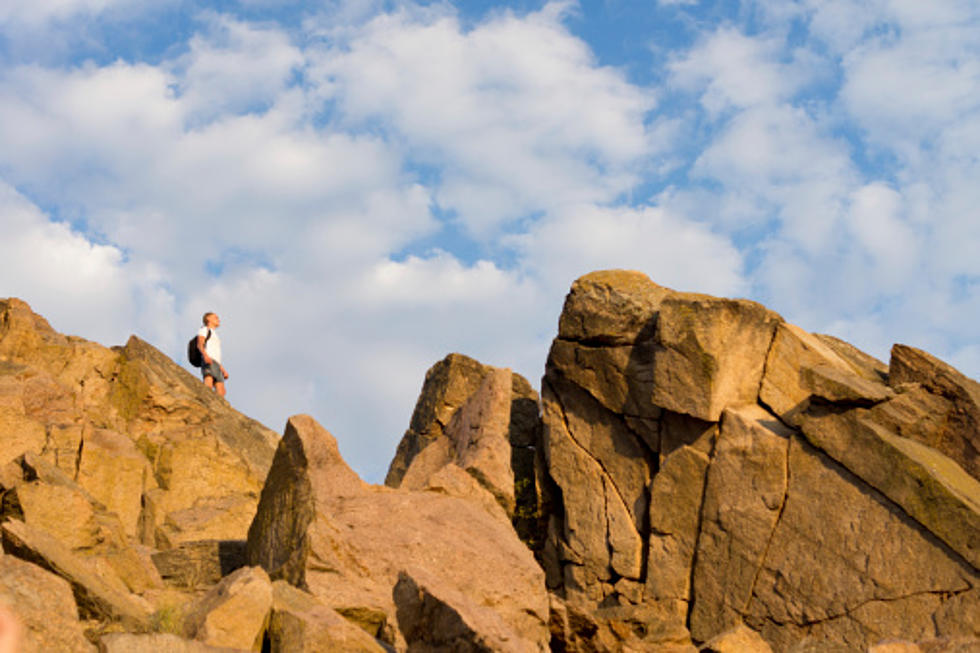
(224, 372)
(201, 342)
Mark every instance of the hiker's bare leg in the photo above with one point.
(220, 387)
(209, 381)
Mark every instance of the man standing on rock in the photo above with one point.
(210, 345)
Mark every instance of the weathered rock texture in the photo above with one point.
(717, 466)
(140, 434)
(320, 528)
(698, 474)
(483, 421)
(107, 455)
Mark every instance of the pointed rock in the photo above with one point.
(448, 384)
(321, 528)
(928, 486)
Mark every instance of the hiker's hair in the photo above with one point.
(205, 318)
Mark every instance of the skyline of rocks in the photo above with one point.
(695, 474)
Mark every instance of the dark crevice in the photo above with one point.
(606, 475)
(78, 456)
(849, 610)
(772, 533)
(765, 361)
(571, 436)
(694, 553)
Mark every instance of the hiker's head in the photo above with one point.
(211, 319)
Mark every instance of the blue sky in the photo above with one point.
(360, 187)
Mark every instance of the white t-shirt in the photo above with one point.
(213, 346)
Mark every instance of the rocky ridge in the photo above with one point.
(697, 474)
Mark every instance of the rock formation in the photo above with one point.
(717, 466)
(697, 474)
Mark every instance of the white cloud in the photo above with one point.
(235, 67)
(735, 71)
(78, 285)
(674, 251)
(515, 111)
(34, 12)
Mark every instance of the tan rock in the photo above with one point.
(448, 384)
(154, 643)
(615, 375)
(116, 473)
(434, 616)
(476, 440)
(959, 438)
(44, 606)
(234, 613)
(319, 527)
(58, 393)
(603, 471)
(64, 442)
(893, 646)
(479, 433)
(610, 307)
(711, 353)
(861, 362)
(743, 500)
(801, 365)
(451, 480)
(676, 496)
(93, 594)
(18, 433)
(209, 518)
(740, 639)
(843, 566)
(928, 486)
(301, 624)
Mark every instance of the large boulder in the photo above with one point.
(300, 623)
(717, 466)
(234, 613)
(46, 499)
(44, 606)
(710, 353)
(448, 384)
(320, 528)
(95, 596)
(434, 616)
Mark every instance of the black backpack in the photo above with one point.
(193, 353)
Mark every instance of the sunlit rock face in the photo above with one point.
(696, 474)
(717, 466)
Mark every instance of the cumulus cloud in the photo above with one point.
(80, 286)
(674, 251)
(515, 111)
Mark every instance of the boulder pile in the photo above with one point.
(696, 474)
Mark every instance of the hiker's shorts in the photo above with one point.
(214, 371)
